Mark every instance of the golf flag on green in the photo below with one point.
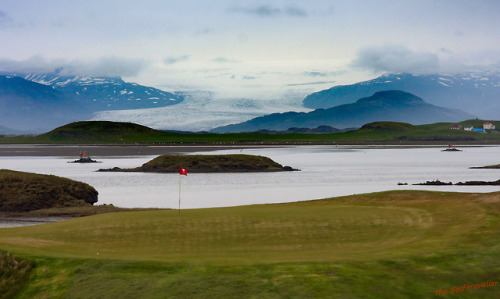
(183, 171)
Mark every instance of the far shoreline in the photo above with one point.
(110, 150)
(105, 150)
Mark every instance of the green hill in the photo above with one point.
(437, 132)
(21, 192)
(103, 132)
(99, 131)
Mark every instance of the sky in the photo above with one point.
(249, 48)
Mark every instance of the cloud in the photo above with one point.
(266, 11)
(311, 83)
(4, 19)
(110, 66)
(262, 11)
(459, 33)
(221, 59)
(35, 64)
(315, 74)
(445, 51)
(204, 31)
(295, 11)
(224, 60)
(395, 59)
(175, 59)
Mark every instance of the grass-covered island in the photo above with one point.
(24, 192)
(208, 163)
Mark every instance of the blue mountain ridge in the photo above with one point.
(392, 105)
(106, 93)
(29, 106)
(475, 92)
(40, 102)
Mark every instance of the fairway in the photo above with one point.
(398, 243)
(348, 228)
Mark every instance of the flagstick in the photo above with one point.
(179, 194)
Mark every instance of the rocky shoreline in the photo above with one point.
(467, 183)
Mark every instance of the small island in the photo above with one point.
(487, 167)
(467, 183)
(24, 192)
(207, 164)
(84, 158)
(451, 148)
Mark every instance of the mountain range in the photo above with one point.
(106, 93)
(476, 93)
(393, 105)
(40, 102)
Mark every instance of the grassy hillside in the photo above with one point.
(402, 132)
(389, 244)
(101, 132)
(21, 192)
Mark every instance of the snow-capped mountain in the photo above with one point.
(105, 93)
(40, 102)
(200, 111)
(475, 92)
(33, 107)
(115, 100)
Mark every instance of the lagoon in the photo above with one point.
(326, 171)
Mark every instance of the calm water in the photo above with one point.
(326, 171)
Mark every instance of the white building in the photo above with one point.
(488, 126)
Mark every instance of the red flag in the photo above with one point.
(183, 171)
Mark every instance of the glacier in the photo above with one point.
(202, 111)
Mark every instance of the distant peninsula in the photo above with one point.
(379, 132)
(207, 164)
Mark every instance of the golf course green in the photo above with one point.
(396, 244)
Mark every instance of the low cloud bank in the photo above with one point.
(110, 66)
(395, 59)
